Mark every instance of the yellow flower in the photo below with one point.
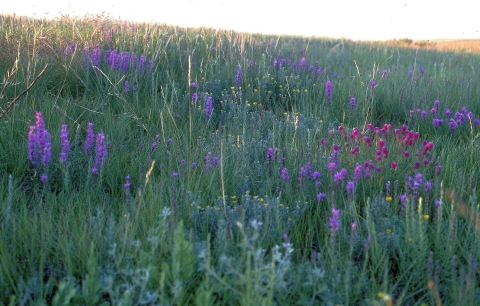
(426, 217)
(409, 239)
(389, 231)
(388, 199)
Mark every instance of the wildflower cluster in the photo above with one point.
(123, 61)
(39, 146)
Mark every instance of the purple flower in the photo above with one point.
(303, 63)
(436, 122)
(124, 61)
(452, 124)
(350, 187)
(338, 177)
(64, 144)
(45, 147)
(89, 140)
(428, 186)
(100, 152)
(208, 107)
(210, 161)
(328, 90)
(194, 97)
(127, 86)
(423, 114)
(238, 77)
(357, 172)
(127, 183)
(321, 196)
(44, 178)
(436, 103)
(302, 173)
(316, 175)
(384, 74)
(284, 175)
(270, 153)
(193, 84)
(334, 221)
(193, 165)
(43, 140)
(175, 174)
(373, 84)
(141, 64)
(353, 102)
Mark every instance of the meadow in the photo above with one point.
(146, 164)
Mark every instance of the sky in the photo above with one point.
(351, 19)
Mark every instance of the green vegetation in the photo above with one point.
(152, 164)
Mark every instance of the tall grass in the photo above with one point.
(238, 205)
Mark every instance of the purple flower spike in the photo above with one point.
(334, 221)
(100, 152)
(65, 144)
(328, 90)
(350, 187)
(208, 107)
(238, 77)
(284, 175)
(90, 139)
(353, 102)
(127, 183)
(321, 196)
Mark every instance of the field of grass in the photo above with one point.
(155, 165)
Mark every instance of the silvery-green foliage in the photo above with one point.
(128, 271)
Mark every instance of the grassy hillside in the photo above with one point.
(151, 164)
